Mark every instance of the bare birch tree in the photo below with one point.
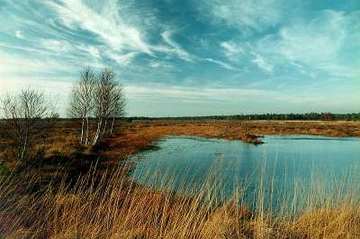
(99, 96)
(23, 113)
(82, 102)
(109, 103)
(117, 108)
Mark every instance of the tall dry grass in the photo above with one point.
(112, 206)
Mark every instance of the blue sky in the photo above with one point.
(190, 57)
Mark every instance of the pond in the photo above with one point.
(293, 169)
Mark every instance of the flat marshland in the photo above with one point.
(85, 192)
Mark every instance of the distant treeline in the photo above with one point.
(292, 116)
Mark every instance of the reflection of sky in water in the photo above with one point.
(284, 166)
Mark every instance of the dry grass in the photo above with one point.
(113, 207)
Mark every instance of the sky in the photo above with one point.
(189, 57)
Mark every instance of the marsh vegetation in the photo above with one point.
(111, 206)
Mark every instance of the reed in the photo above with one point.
(113, 206)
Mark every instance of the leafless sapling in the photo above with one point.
(23, 114)
(82, 102)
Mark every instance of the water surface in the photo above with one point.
(280, 169)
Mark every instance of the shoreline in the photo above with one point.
(139, 135)
(133, 137)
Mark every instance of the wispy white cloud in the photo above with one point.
(316, 41)
(12, 65)
(57, 46)
(317, 47)
(107, 26)
(175, 47)
(249, 14)
(206, 94)
(190, 93)
(262, 63)
(19, 34)
(123, 59)
(220, 63)
(186, 56)
(231, 49)
(320, 44)
(92, 50)
(238, 53)
(155, 64)
(160, 64)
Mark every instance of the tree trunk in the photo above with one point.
(98, 131)
(24, 146)
(87, 131)
(82, 131)
(103, 133)
(112, 126)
